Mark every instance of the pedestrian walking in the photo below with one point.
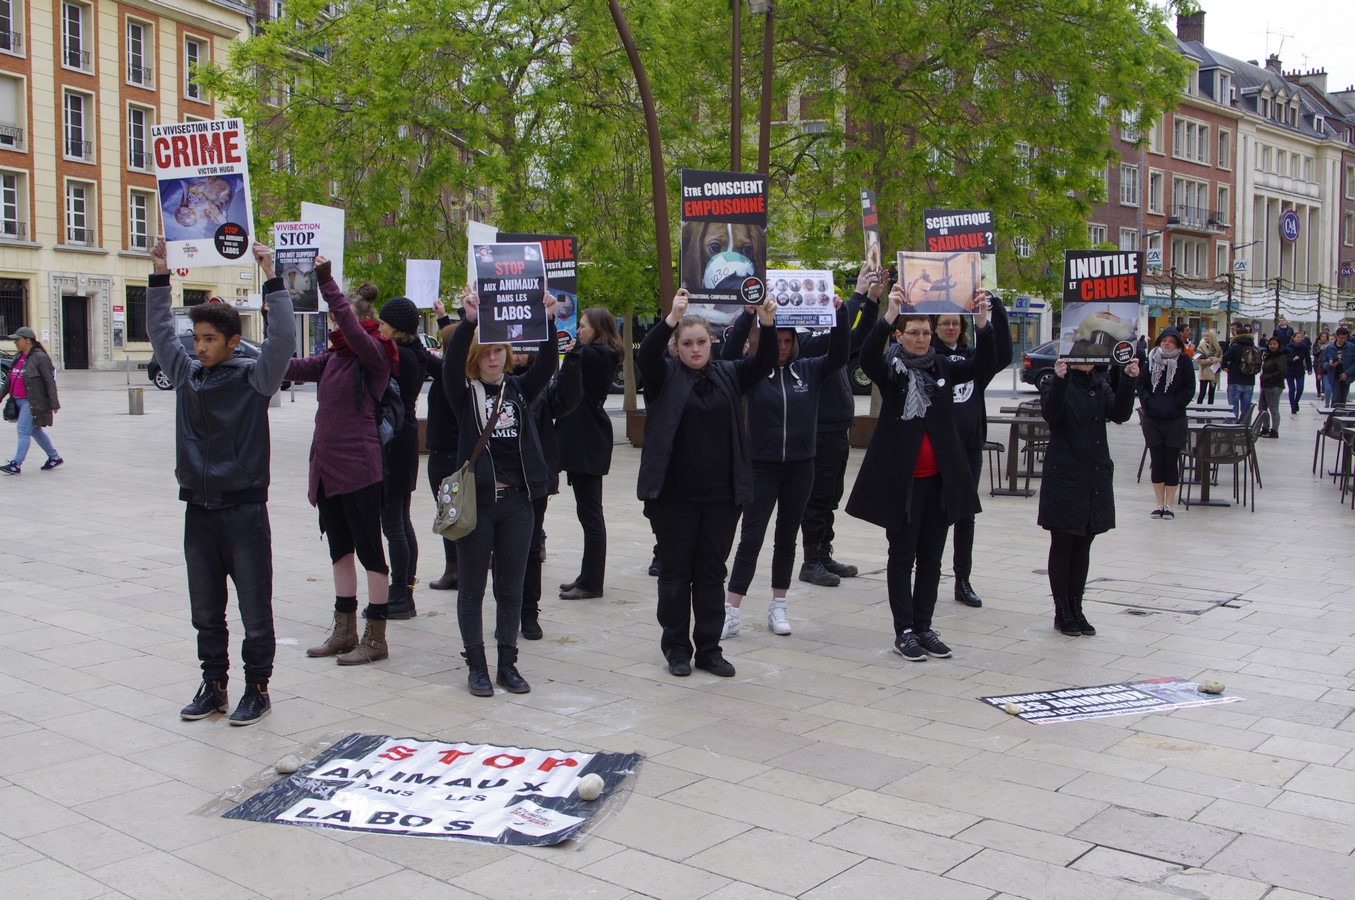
(32, 387)
(1209, 358)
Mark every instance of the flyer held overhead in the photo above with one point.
(942, 283)
(804, 297)
(203, 176)
(870, 229)
(423, 281)
(1102, 292)
(724, 237)
(511, 282)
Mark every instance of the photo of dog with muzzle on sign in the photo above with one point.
(717, 256)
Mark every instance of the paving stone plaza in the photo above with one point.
(827, 767)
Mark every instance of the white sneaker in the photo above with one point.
(776, 618)
(731, 622)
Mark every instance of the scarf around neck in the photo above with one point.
(339, 343)
(918, 399)
(1162, 367)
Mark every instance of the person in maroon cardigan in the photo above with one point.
(345, 464)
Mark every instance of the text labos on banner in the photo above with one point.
(205, 205)
(561, 253)
(1102, 290)
(804, 297)
(724, 236)
(295, 246)
(479, 792)
(511, 282)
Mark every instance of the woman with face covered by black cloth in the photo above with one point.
(915, 480)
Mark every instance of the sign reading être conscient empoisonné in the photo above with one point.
(511, 282)
(1102, 291)
(724, 236)
(203, 177)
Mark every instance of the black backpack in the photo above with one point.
(390, 413)
(1250, 363)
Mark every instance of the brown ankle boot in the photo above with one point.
(341, 638)
(372, 646)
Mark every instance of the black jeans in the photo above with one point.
(503, 533)
(830, 472)
(962, 544)
(694, 541)
(920, 543)
(1206, 386)
(1069, 560)
(399, 531)
(442, 463)
(588, 501)
(531, 579)
(237, 543)
(785, 485)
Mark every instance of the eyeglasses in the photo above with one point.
(918, 334)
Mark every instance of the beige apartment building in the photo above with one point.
(81, 84)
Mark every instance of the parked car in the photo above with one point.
(6, 363)
(158, 377)
(1037, 366)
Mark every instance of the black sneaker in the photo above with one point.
(1167, 513)
(679, 667)
(717, 665)
(931, 645)
(253, 706)
(210, 698)
(907, 646)
(531, 628)
(52, 463)
(1156, 514)
(10, 468)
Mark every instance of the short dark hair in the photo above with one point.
(221, 316)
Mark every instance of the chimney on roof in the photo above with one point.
(1190, 28)
(1273, 64)
(1313, 78)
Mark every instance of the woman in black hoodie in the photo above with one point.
(1274, 367)
(1165, 388)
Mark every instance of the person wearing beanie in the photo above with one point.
(399, 321)
(1165, 388)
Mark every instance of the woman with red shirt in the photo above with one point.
(915, 480)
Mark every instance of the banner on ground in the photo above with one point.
(511, 282)
(943, 283)
(1105, 700)
(423, 280)
(870, 228)
(724, 236)
(1102, 291)
(203, 178)
(476, 792)
(561, 253)
(295, 246)
(804, 297)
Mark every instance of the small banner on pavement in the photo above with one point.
(1105, 700)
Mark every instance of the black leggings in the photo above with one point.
(1069, 559)
(352, 522)
(1165, 464)
(1206, 386)
(399, 531)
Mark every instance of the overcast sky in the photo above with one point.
(1307, 34)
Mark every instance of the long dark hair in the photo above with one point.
(603, 323)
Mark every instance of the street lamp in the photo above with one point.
(757, 8)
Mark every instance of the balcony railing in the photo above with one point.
(139, 74)
(139, 160)
(15, 231)
(1197, 218)
(11, 136)
(79, 236)
(79, 149)
(139, 241)
(77, 59)
(12, 41)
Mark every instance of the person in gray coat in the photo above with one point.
(32, 384)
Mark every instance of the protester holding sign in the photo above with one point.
(1077, 499)
(509, 475)
(915, 482)
(695, 475)
(1164, 389)
(345, 464)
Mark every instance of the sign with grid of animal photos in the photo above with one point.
(724, 237)
(203, 176)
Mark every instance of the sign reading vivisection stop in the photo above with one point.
(203, 177)
(477, 792)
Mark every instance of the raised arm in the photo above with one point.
(169, 352)
(276, 352)
(839, 344)
(748, 371)
(534, 380)
(732, 348)
(454, 365)
(652, 358)
(365, 346)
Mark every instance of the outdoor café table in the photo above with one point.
(1216, 416)
(1202, 477)
(1011, 490)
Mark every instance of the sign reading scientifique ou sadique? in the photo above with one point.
(202, 170)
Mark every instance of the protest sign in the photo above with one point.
(443, 789)
(423, 279)
(804, 298)
(561, 253)
(951, 230)
(942, 283)
(724, 236)
(332, 234)
(203, 177)
(477, 233)
(1105, 700)
(870, 227)
(1101, 295)
(511, 282)
(295, 246)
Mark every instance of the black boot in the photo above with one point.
(813, 570)
(1079, 620)
(447, 581)
(964, 593)
(841, 570)
(1064, 623)
(509, 678)
(531, 621)
(478, 677)
(399, 602)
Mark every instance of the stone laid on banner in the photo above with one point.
(476, 792)
(1104, 700)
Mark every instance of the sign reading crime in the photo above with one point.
(203, 177)
(724, 236)
(511, 282)
(295, 246)
(1102, 291)
(1105, 700)
(963, 230)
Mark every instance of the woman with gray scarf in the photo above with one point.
(915, 480)
(1165, 388)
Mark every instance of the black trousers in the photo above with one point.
(694, 541)
(785, 486)
(503, 531)
(442, 463)
(1069, 559)
(236, 543)
(962, 544)
(1165, 465)
(588, 503)
(917, 546)
(352, 522)
(830, 472)
(531, 579)
(400, 537)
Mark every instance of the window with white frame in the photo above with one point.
(11, 34)
(194, 54)
(1221, 266)
(1156, 180)
(1024, 155)
(139, 207)
(1263, 159)
(140, 48)
(76, 38)
(1225, 91)
(1129, 185)
(1129, 126)
(1096, 235)
(1263, 107)
(1350, 182)
(1223, 209)
(1295, 165)
(1225, 157)
(1129, 239)
(1281, 162)
(1190, 140)
(1190, 257)
(138, 138)
(1153, 245)
(1307, 168)
(13, 205)
(80, 213)
(1190, 201)
(11, 113)
(1022, 247)
(78, 130)
(1348, 230)
(1155, 137)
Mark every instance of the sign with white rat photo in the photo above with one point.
(1102, 291)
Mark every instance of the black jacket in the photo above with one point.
(586, 436)
(783, 409)
(221, 414)
(971, 402)
(1274, 366)
(883, 490)
(837, 405)
(1232, 360)
(1300, 357)
(1167, 400)
(402, 453)
(522, 389)
(1078, 494)
(668, 385)
(560, 398)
